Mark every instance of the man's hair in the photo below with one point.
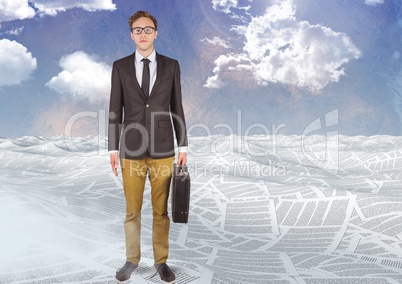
(140, 14)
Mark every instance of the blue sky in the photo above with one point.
(248, 66)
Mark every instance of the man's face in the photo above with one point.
(144, 41)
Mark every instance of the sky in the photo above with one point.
(247, 66)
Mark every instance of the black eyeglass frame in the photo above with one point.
(143, 29)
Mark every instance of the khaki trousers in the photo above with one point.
(134, 174)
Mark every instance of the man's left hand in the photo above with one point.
(182, 158)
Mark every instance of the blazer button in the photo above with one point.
(147, 105)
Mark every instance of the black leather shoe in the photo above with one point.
(124, 273)
(165, 273)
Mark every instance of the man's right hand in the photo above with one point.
(114, 162)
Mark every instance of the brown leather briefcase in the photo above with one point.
(180, 194)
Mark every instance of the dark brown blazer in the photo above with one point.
(144, 126)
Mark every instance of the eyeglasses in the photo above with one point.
(138, 30)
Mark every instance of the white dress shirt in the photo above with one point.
(139, 67)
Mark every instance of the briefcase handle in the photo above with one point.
(180, 169)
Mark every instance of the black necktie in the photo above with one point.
(145, 77)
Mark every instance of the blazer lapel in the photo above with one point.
(133, 74)
(160, 65)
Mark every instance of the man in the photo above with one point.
(145, 110)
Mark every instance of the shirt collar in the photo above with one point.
(151, 57)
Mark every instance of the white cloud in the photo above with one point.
(239, 67)
(374, 2)
(16, 31)
(20, 9)
(55, 6)
(15, 10)
(224, 5)
(281, 49)
(239, 29)
(83, 78)
(16, 63)
(216, 41)
(214, 82)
